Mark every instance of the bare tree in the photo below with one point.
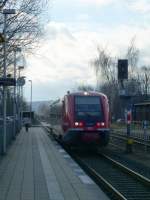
(2, 4)
(106, 72)
(145, 79)
(105, 67)
(44, 111)
(133, 56)
(85, 88)
(24, 28)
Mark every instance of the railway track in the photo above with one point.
(119, 181)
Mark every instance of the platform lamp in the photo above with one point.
(16, 49)
(20, 68)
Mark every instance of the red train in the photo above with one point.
(85, 119)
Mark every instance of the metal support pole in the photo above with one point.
(5, 12)
(129, 140)
(31, 101)
(14, 103)
(4, 89)
(145, 124)
(19, 101)
(20, 95)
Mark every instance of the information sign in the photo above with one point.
(7, 81)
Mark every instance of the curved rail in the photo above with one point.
(121, 182)
(116, 178)
(136, 175)
(100, 180)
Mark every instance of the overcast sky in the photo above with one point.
(74, 30)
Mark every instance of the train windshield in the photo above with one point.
(88, 109)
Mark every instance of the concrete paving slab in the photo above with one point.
(37, 169)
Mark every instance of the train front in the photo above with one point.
(89, 120)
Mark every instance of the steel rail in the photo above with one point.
(100, 180)
(125, 169)
(129, 179)
(108, 183)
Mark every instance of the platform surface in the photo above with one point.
(36, 168)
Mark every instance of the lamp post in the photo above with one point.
(31, 101)
(20, 68)
(5, 12)
(16, 49)
(22, 83)
(19, 80)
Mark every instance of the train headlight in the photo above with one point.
(85, 93)
(76, 123)
(100, 124)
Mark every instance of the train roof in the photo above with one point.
(91, 93)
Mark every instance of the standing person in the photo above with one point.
(27, 126)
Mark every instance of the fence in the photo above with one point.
(9, 134)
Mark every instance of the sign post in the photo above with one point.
(145, 125)
(7, 81)
(129, 140)
(123, 75)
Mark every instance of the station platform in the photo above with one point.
(37, 168)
